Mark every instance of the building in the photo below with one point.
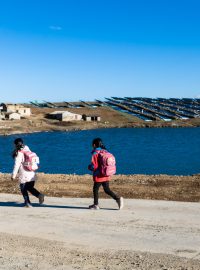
(12, 116)
(65, 116)
(91, 117)
(23, 111)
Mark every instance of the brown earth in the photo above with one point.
(109, 118)
(20, 253)
(154, 187)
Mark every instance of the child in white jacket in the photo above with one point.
(26, 178)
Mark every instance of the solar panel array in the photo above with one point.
(148, 109)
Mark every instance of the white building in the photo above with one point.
(91, 117)
(65, 116)
(13, 116)
(23, 111)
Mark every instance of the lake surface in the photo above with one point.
(174, 151)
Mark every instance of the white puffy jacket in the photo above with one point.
(18, 170)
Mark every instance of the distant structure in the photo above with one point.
(12, 116)
(153, 109)
(87, 117)
(68, 116)
(15, 108)
(147, 109)
(67, 104)
(65, 116)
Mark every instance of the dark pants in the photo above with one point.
(29, 186)
(106, 189)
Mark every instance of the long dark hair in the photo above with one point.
(19, 144)
(98, 143)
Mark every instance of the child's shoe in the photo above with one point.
(28, 205)
(41, 198)
(94, 207)
(120, 203)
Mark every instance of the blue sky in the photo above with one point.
(86, 49)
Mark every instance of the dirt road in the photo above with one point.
(65, 234)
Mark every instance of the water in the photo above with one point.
(137, 151)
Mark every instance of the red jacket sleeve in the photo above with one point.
(94, 161)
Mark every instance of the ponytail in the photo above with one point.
(19, 144)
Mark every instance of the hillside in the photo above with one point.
(109, 118)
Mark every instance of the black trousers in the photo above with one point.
(29, 186)
(106, 189)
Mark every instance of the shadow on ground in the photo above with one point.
(36, 205)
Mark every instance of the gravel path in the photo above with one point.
(64, 234)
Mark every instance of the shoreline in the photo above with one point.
(75, 128)
(152, 187)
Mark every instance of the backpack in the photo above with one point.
(31, 161)
(107, 163)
